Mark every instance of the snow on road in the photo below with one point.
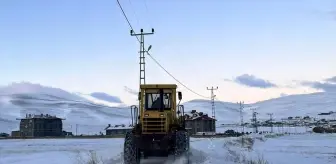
(66, 151)
(306, 149)
(56, 151)
(276, 129)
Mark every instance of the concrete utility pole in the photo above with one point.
(213, 106)
(76, 129)
(241, 107)
(271, 121)
(142, 53)
(254, 120)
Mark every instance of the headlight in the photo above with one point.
(161, 115)
(146, 115)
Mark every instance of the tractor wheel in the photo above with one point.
(182, 143)
(131, 152)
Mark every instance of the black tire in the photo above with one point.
(131, 152)
(182, 142)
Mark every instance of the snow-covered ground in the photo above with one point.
(278, 130)
(307, 148)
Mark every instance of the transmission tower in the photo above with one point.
(271, 121)
(241, 108)
(213, 105)
(142, 53)
(254, 119)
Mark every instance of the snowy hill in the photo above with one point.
(89, 116)
(103, 99)
(90, 113)
(106, 97)
(26, 87)
(298, 105)
(226, 112)
(282, 107)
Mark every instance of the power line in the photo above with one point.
(135, 15)
(224, 105)
(174, 77)
(147, 12)
(131, 91)
(158, 62)
(130, 25)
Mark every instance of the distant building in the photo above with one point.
(39, 126)
(198, 122)
(4, 135)
(117, 129)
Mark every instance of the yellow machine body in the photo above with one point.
(157, 108)
(160, 127)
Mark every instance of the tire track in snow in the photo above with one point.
(195, 157)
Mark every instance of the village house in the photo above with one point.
(39, 126)
(117, 129)
(198, 122)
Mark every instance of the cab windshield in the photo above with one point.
(155, 101)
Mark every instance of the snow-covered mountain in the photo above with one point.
(225, 112)
(29, 88)
(90, 113)
(282, 107)
(102, 98)
(298, 105)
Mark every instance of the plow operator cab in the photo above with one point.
(159, 126)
